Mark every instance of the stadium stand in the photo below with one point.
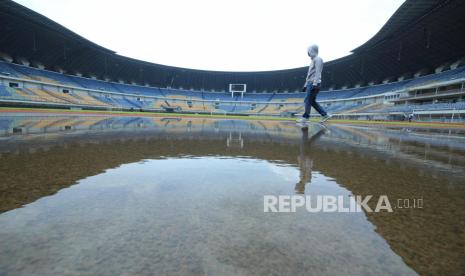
(42, 75)
(6, 70)
(117, 95)
(4, 92)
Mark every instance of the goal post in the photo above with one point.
(237, 88)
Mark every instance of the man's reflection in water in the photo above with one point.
(304, 160)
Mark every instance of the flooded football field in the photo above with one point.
(115, 195)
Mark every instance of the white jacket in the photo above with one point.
(314, 71)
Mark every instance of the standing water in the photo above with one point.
(151, 196)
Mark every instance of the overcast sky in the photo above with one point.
(233, 35)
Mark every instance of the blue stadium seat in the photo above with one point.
(15, 70)
(95, 84)
(138, 90)
(6, 70)
(4, 92)
(35, 72)
(428, 79)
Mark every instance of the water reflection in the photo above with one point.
(111, 195)
(304, 160)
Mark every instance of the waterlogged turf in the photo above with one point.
(113, 195)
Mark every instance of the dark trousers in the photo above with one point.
(310, 100)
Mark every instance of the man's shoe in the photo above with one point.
(326, 118)
(302, 120)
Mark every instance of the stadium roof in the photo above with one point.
(409, 13)
(420, 36)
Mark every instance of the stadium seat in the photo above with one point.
(202, 101)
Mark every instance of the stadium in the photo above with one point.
(111, 165)
(386, 78)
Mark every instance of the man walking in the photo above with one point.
(313, 85)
